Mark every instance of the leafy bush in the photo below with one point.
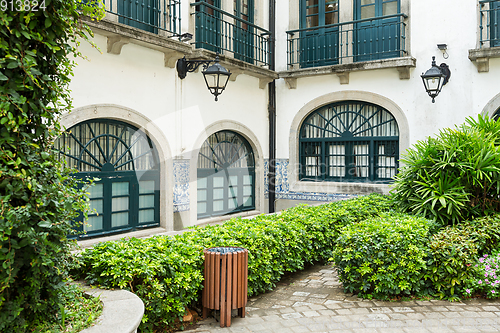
(484, 232)
(38, 199)
(451, 253)
(166, 272)
(486, 281)
(453, 177)
(383, 256)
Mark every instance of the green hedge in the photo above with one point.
(166, 272)
(383, 256)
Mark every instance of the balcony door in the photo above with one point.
(243, 33)
(141, 14)
(377, 37)
(319, 42)
(208, 25)
(495, 23)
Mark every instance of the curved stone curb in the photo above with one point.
(122, 311)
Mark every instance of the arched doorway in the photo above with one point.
(225, 175)
(124, 161)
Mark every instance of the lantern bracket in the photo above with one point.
(185, 66)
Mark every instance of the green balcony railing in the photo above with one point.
(148, 15)
(489, 23)
(219, 31)
(354, 41)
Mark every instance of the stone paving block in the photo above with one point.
(317, 307)
(360, 310)
(397, 316)
(490, 308)
(327, 312)
(487, 314)
(297, 298)
(488, 328)
(299, 329)
(301, 304)
(422, 308)
(343, 311)
(241, 329)
(440, 329)
(364, 330)
(332, 306)
(434, 315)
(318, 295)
(378, 316)
(316, 300)
(310, 313)
(291, 315)
(367, 304)
(439, 308)
(381, 310)
(415, 330)
(402, 309)
(287, 310)
(300, 293)
(271, 318)
(286, 302)
(452, 314)
(277, 306)
(289, 323)
(467, 329)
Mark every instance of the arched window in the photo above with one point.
(349, 141)
(125, 161)
(496, 115)
(226, 175)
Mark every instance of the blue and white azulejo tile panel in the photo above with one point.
(181, 185)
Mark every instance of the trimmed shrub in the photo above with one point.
(484, 232)
(276, 244)
(383, 256)
(166, 274)
(453, 177)
(452, 252)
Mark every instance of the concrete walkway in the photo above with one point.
(313, 301)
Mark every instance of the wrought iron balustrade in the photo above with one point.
(219, 31)
(148, 15)
(347, 42)
(489, 25)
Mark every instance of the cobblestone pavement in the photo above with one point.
(313, 301)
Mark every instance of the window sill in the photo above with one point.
(402, 64)
(481, 57)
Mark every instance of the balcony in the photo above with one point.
(349, 46)
(221, 32)
(489, 35)
(156, 16)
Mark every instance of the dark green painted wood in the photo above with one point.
(378, 38)
(112, 163)
(141, 14)
(353, 126)
(243, 33)
(208, 26)
(319, 46)
(495, 23)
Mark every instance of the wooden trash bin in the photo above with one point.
(225, 284)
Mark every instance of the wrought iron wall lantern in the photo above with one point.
(216, 76)
(435, 78)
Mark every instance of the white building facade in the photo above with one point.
(327, 91)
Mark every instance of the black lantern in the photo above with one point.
(216, 76)
(435, 78)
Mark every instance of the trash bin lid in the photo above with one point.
(226, 249)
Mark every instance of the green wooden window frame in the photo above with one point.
(349, 141)
(242, 32)
(124, 161)
(226, 175)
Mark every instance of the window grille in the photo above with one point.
(349, 141)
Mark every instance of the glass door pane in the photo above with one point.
(96, 196)
(120, 199)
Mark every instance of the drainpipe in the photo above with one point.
(272, 108)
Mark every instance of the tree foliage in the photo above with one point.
(38, 197)
(454, 176)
